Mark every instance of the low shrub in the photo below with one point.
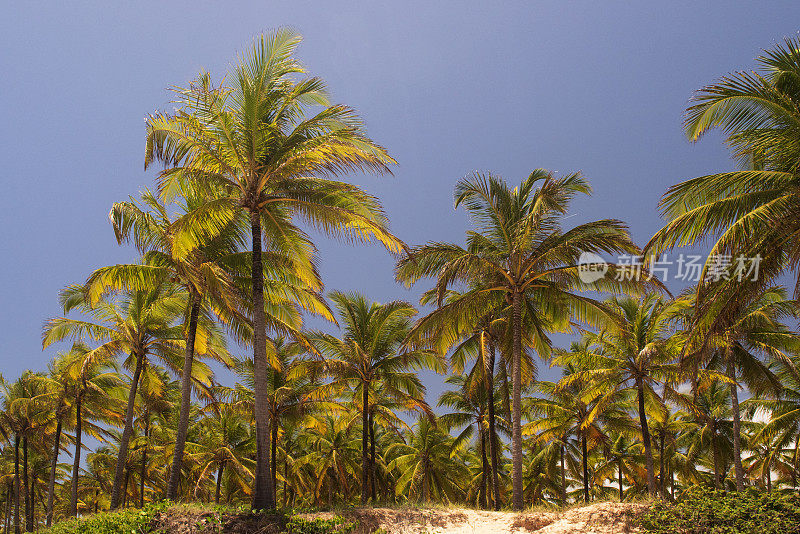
(335, 525)
(128, 521)
(704, 511)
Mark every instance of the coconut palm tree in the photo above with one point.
(370, 355)
(428, 468)
(753, 210)
(634, 349)
(258, 147)
(576, 407)
(139, 324)
(519, 253)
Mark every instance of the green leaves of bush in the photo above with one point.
(335, 525)
(130, 521)
(705, 511)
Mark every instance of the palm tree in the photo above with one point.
(576, 407)
(253, 149)
(753, 210)
(623, 456)
(520, 254)
(468, 404)
(84, 389)
(634, 350)
(140, 324)
(331, 456)
(428, 468)
(370, 355)
(737, 331)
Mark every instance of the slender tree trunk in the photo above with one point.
(122, 455)
(76, 458)
(186, 399)
(737, 433)
(51, 483)
(484, 468)
(274, 432)
(372, 467)
(619, 463)
(425, 489)
(585, 465)
(563, 473)
(9, 498)
(285, 479)
(489, 371)
(769, 475)
(17, 526)
(143, 468)
(516, 425)
(715, 455)
(648, 451)
(662, 484)
(219, 480)
(364, 445)
(26, 488)
(264, 492)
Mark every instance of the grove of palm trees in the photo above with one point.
(197, 373)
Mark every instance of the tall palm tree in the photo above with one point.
(84, 389)
(754, 210)
(519, 253)
(635, 349)
(741, 332)
(139, 324)
(370, 355)
(579, 408)
(257, 147)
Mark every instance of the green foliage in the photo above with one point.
(129, 521)
(701, 510)
(335, 525)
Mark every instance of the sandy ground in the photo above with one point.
(600, 518)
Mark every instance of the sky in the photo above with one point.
(447, 87)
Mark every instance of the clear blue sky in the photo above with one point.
(449, 88)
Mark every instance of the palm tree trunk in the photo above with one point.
(122, 455)
(585, 465)
(648, 451)
(219, 480)
(51, 483)
(484, 468)
(662, 485)
(26, 488)
(715, 455)
(516, 425)
(737, 433)
(76, 458)
(769, 474)
(364, 445)
(143, 468)
(563, 473)
(619, 463)
(372, 466)
(274, 432)
(186, 399)
(492, 421)
(264, 493)
(7, 518)
(16, 485)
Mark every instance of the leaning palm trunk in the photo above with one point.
(76, 459)
(51, 484)
(648, 451)
(263, 494)
(737, 434)
(186, 399)
(26, 487)
(122, 455)
(364, 445)
(16, 485)
(585, 465)
(492, 432)
(516, 429)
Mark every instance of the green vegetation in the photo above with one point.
(705, 511)
(651, 402)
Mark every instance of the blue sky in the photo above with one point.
(447, 87)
